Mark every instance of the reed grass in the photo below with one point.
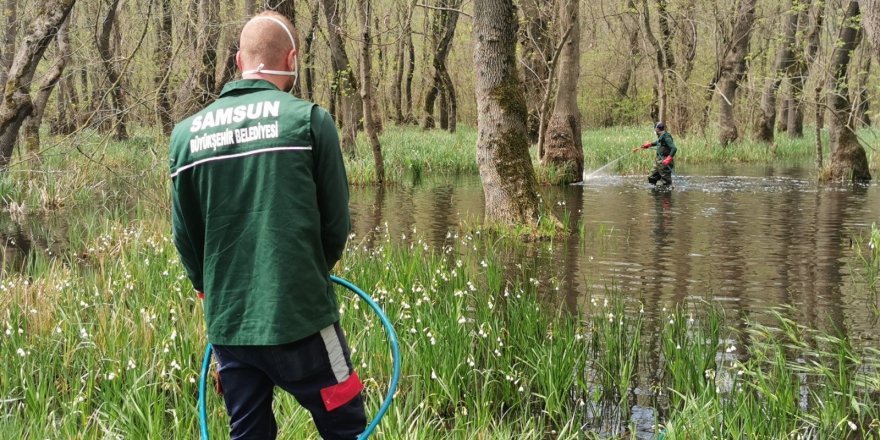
(107, 342)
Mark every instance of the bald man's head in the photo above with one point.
(264, 41)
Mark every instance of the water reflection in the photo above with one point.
(750, 239)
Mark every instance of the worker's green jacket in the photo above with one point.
(260, 213)
(665, 146)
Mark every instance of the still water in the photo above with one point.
(748, 238)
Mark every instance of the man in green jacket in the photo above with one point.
(260, 217)
(663, 164)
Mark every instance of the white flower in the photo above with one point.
(21, 352)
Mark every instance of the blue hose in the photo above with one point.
(395, 371)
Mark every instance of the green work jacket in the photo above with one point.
(260, 213)
(665, 146)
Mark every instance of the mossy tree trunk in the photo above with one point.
(733, 68)
(9, 18)
(506, 169)
(848, 159)
(564, 147)
(50, 78)
(15, 104)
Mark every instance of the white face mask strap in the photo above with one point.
(260, 69)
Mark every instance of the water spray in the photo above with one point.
(591, 174)
(395, 371)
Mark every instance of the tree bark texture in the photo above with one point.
(733, 67)
(7, 47)
(848, 159)
(344, 79)
(44, 91)
(564, 147)
(502, 140)
(784, 59)
(861, 116)
(443, 30)
(367, 90)
(16, 103)
(871, 21)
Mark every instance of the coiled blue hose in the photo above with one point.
(395, 371)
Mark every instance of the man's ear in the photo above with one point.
(238, 61)
(291, 60)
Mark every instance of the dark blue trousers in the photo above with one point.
(316, 371)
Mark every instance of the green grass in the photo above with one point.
(111, 346)
(105, 340)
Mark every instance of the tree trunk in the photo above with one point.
(7, 47)
(44, 91)
(784, 59)
(399, 57)
(511, 196)
(848, 159)
(536, 45)
(861, 117)
(209, 35)
(117, 94)
(367, 90)
(162, 57)
(16, 103)
(629, 22)
(443, 30)
(65, 120)
(871, 21)
(661, 60)
(344, 79)
(410, 71)
(307, 64)
(801, 70)
(733, 68)
(782, 119)
(564, 146)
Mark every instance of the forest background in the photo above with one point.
(727, 71)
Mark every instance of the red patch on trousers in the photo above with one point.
(337, 395)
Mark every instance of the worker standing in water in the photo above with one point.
(663, 164)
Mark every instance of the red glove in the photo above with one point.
(667, 161)
(647, 145)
